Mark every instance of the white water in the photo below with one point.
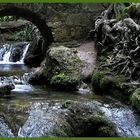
(126, 120)
(5, 131)
(21, 82)
(24, 53)
(127, 123)
(22, 88)
(6, 52)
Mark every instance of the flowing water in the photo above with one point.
(29, 111)
(9, 51)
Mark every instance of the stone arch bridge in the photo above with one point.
(58, 22)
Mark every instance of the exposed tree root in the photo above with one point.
(119, 42)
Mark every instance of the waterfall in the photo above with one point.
(6, 52)
(13, 53)
(126, 120)
(24, 53)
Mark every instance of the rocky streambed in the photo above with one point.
(57, 116)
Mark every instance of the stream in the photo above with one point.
(32, 110)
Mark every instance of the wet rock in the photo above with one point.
(45, 119)
(61, 70)
(135, 99)
(36, 52)
(87, 120)
(15, 55)
(14, 115)
(5, 89)
(66, 119)
(104, 83)
(84, 89)
(55, 118)
(5, 131)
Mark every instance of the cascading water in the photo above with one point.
(12, 57)
(13, 54)
(21, 83)
(127, 122)
(4, 130)
(24, 53)
(6, 52)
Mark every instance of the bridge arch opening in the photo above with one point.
(34, 18)
(38, 54)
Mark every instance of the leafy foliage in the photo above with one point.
(9, 18)
(25, 34)
(126, 12)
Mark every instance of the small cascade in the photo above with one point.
(24, 53)
(4, 130)
(6, 52)
(13, 53)
(126, 120)
(21, 83)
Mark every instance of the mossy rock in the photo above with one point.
(15, 114)
(65, 82)
(62, 69)
(105, 131)
(87, 120)
(97, 126)
(103, 83)
(135, 100)
(96, 80)
(5, 89)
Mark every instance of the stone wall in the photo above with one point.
(67, 21)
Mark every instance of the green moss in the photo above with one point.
(126, 12)
(105, 131)
(135, 99)
(62, 69)
(109, 82)
(96, 126)
(102, 82)
(8, 18)
(65, 82)
(96, 80)
(111, 85)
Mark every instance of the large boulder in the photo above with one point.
(87, 120)
(5, 89)
(104, 83)
(62, 69)
(67, 119)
